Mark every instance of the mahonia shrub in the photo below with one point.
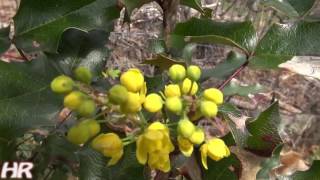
(155, 138)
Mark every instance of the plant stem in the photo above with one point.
(234, 74)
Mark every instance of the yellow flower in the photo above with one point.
(153, 103)
(154, 147)
(216, 149)
(208, 109)
(185, 128)
(214, 95)
(143, 93)
(110, 145)
(185, 146)
(118, 94)
(62, 84)
(174, 104)
(172, 90)
(194, 72)
(74, 99)
(132, 79)
(133, 103)
(197, 136)
(177, 73)
(186, 87)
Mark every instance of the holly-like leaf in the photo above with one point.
(241, 35)
(235, 89)
(233, 61)
(220, 170)
(80, 48)
(163, 62)
(283, 41)
(40, 24)
(264, 135)
(269, 164)
(4, 39)
(94, 166)
(195, 4)
(229, 109)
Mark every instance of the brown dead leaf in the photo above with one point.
(240, 122)
(291, 162)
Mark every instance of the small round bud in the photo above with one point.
(118, 94)
(197, 136)
(62, 84)
(78, 135)
(83, 74)
(177, 73)
(185, 128)
(208, 109)
(132, 79)
(214, 95)
(74, 99)
(153, 103)
(92, 126)
(194, 72)
(174, 104)
(87, 108)
(189, 87)
(172, 90)
(133, 103)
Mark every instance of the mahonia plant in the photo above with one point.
(128, 99)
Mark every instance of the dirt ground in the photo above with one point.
(299, 96)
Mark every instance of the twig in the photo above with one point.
(221, 86)
(22, 53)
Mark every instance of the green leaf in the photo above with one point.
(283, 41)
(155, 83)
(241, 35)
(228, 108)
(219, 170)
(223, 70)
(312, 173)
(264, 135)
(163, 62)
(94, 166)
(269, 164)
(4, 39)
(236, 89)
(133, 4)
(195, 4)
(80, 48)
(302, 7)
(39, 24)
(282, 6)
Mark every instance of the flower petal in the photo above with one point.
(114, 159)
(204, 151)
(141, 153)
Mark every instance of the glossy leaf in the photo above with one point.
(233, 61)
(236, 89)
(283, 41)
(94, 166)
(241, 35)
(264, 135)
(40, 24)
(282, 6)
(228, 108)
(163, 62)
(4, 39)
(80, 48)
(219, 170)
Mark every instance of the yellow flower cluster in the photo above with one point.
(215, 148)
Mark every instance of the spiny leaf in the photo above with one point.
(163, 62)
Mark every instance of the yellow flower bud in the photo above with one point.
(185, 128)
(208, 109)
(197, 136)
(177, 73)
(172, 90)
(74, 99)
(110, 145)
(83, 74)
(78, 135)
(92, 126)
(153, 103)
(185, 146)
(118, 94)
(87, 108)
(214, 95)
(132, 79)
(194, 72)
(174, 104)
(186, 87)
(216, 149)
(133, 103)
(62, 84)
